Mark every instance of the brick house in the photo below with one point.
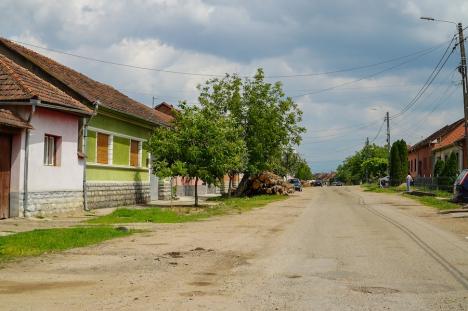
(422, 157)
(453, 142)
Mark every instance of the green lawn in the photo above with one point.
(165, 215)
(441, 204)
(40, 241)
(440, 201)
(376, 188)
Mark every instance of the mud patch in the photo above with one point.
(174, 254)
(197, 249)
(193, 293)
(294, 276)
(374, 290)
(19, 288)
(206, 273)
(200, 283)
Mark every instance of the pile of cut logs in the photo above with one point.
(268, 183)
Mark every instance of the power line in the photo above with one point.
(424, 51)
(378, 132)
(435, 72)
(362, 78)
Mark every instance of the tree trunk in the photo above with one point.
(196, 191)
(243, 185)
(230, 185)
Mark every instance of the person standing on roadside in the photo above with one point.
(409, 179)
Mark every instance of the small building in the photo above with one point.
(421, 158)
(41, 168)
(452, 142)
(107, 130)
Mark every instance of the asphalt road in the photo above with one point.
(334, 248)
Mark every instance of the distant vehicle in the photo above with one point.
(296, 183)
(384, 181)
(337, 183)
(318, 183)
(460, 187)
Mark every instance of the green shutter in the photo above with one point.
(121, 151)
(91, 147)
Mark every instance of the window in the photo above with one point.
(134, 152)
(51, 150)
(102, 148)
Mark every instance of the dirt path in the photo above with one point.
(325, 249)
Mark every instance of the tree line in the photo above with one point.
(239, 126)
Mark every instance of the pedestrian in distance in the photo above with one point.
(409, 179)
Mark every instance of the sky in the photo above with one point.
(347, 62)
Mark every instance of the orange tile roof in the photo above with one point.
(8, 118)
(436, 135)
(18, 83)
(88, 88)
(451, 137)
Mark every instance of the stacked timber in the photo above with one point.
(268, 183)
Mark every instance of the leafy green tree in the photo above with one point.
(200, 144)
(449, 172)
(439, 168)
(303, 171)
(269, 121)
(403, 149)
(353, 169)
(375, 167)
(396, 176)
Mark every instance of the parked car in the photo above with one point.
(296, 183)
(337, 183)
(460, 187)
(318, 183)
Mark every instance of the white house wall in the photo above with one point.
(446, 153)
(54, 189)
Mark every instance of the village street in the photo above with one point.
(331, 248)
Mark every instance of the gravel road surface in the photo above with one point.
(335, 248)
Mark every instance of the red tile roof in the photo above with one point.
(17, 84)
(440, 133)
(166, 108)
(452, 137)
(88, 88)
(8, 118)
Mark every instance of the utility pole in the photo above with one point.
(387, 117)
(463, 72)
(152, 104)
(367, 157)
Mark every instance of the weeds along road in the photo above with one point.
(334, 248)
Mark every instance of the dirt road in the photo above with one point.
(334, 248)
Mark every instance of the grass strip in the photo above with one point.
(40, 241)
(440, 201)
(166, 215)
(440, 204)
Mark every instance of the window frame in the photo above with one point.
(51, 142)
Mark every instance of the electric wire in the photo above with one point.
(114, 63)
(362, 78)
(435, 72)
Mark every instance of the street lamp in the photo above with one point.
(463, 72)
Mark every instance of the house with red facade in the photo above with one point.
(423, 155)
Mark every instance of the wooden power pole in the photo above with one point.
(462, 70)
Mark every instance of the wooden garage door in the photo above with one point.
(5, 168)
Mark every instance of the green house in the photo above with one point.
(111, 143)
